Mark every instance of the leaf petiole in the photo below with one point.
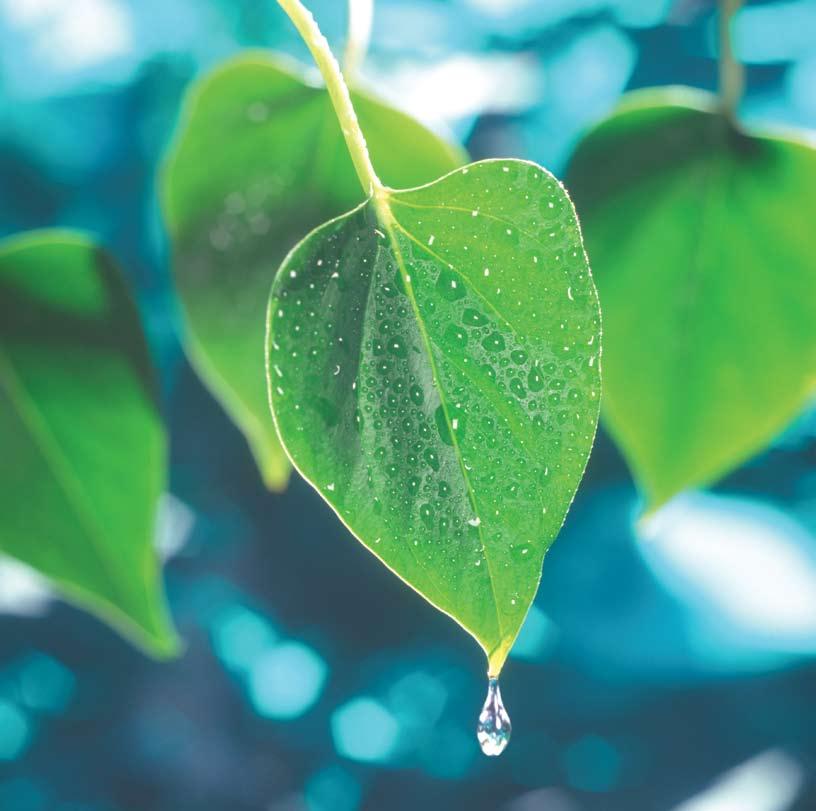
(731, 71)
(311, 34)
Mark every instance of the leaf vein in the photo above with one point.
(389, 226)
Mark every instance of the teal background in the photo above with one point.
(669, 669)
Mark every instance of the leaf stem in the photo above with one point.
(360, 19)
(339, 93)
(731, 71)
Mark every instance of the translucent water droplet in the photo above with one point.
(494, 728)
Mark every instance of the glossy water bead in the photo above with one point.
(494, 727)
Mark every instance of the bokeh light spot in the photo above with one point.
(363, 729)
(15, 731)
(45, 684)
(536, 638)
(240, 636)
(332, 789)
(286, 681)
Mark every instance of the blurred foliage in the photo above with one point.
(232, 221)
(83, 445)
(703, 245)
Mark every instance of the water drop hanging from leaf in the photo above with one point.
(437, 455)
(414, 406)
(494, 728)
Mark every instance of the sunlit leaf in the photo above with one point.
(704, 249)
(83, 459)
(434, 373)
(259, 162)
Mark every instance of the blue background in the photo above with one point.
(662, 668)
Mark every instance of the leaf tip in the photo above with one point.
(498, 656)
(273, 464)
(165, 646)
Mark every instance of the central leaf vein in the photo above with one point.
(485, 301)
(388, 222)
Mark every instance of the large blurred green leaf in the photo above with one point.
(259, 162)
(83, 460)
(703, 245)
(433, 371)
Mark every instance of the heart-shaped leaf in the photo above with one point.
(259, 162)
(83, 459)
(434, 373)
(704, 250)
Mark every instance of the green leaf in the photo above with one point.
(259, 162)
(83, 460)
(704, 250)
(433, 372)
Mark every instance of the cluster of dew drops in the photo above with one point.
(387, 391)
(528, 396)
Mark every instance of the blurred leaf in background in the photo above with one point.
(703, 245)
(83, 461)
(260, 161)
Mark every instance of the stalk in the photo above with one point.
(339, 94)
(731, 71)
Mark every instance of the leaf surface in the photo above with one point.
(259, 162)
(433, 371)
(83, 460)
(704, 251)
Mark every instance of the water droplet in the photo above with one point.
(535, 382)
(517, 388)
(426, 514)
(473, 318)
(494, 728)
(455, 337)
(494, 342)
(449, 286)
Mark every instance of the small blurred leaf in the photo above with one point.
(83, 457)
(704, 249)
(259, 162)
(433, 371)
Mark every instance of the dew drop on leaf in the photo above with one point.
(494, 342)
(449, 286)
